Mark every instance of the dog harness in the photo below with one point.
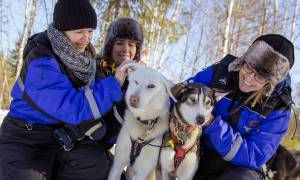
(140, 142)
(136, 148)
(179, 137)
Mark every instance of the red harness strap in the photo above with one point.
(180, 152)
(179, 156)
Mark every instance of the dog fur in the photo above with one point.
(282, 166)
(147, 98)
(194, 104)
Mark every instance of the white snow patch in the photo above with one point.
(3, 113)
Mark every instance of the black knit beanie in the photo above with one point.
(74, 14)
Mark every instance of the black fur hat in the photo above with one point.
(271, 55)
(127, 28)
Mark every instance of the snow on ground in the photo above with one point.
(2, 114)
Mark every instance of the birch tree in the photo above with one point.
(237, 28)
(166, 37)
(294, 20)
(3, 23)
(275, 22)
(227, 27)
(284, 21)
(3, 79)
(27, 29)
(187, 42)
(153, 20)
(198, 50)
(264, 18)
(95, 3)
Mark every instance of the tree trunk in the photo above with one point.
(274, 30)
(152, 26)
(264, 20)
(283, 29)
(95, 3)
(32, 17)
(294, 20)
(237, 33)
(158, 36)
(3, 80)
(117, 8)
(227, 27)
(181, 76)
(28, 24)
(166, 38)
(197, 53)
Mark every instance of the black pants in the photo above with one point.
(231, 173)
(35, 155)
(213, 167)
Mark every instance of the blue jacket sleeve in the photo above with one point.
(50, 89)
(204, 77)
(253, 149)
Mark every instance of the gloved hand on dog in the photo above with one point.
(208, 119)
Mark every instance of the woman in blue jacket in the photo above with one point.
(57, 85)
(248, 124)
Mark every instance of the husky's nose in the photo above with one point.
(134, 100)
(200, 119)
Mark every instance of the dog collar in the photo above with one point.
(148, 122)
(187, 128)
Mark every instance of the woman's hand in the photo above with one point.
(208, 119)
(121, 73)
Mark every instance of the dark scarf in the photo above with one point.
(81, 65)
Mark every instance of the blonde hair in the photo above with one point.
(90, 48)
(261, 95)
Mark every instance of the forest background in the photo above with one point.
(181, 36)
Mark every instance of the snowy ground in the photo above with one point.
(2, 114)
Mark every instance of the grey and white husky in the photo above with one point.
(191, 111)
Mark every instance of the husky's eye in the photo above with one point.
(208, 102)
(136, 82)
(150, 86)
(193, 99)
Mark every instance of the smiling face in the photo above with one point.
(249, 80)
(123, 49)
(80, 38)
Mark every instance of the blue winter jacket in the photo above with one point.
(258, 132)
(44, 93)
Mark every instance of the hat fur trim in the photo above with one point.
(268, 62)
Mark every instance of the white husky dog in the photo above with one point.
(146, 120)
(190, 112)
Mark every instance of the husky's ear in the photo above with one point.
(168, 86)
(131, 67)
(219, 94)
(177, 88)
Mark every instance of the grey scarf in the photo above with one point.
(81, 65)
